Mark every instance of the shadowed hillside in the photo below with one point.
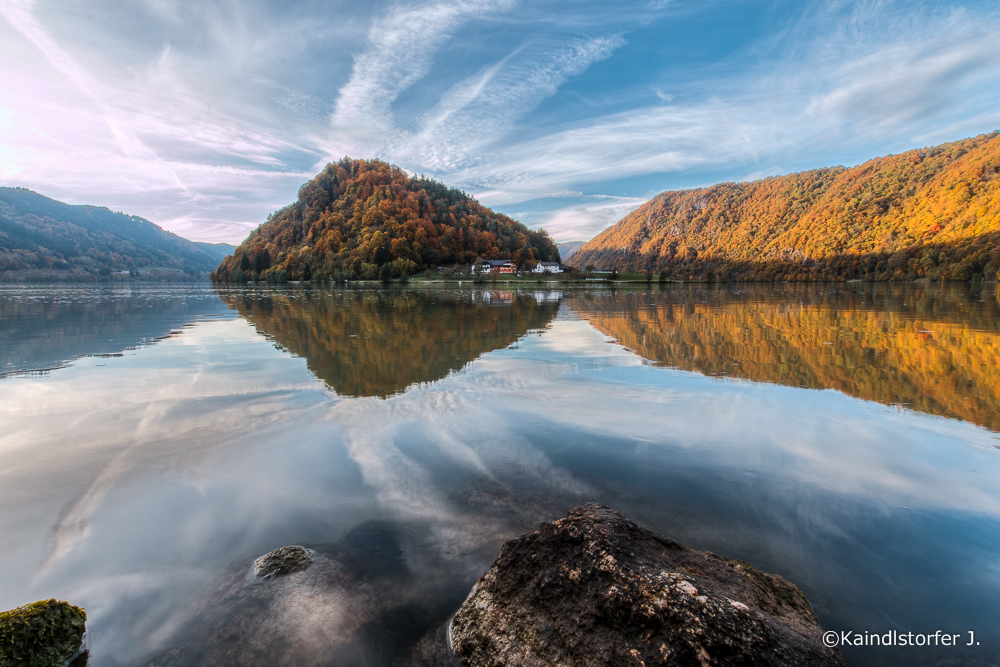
(931, 212)
(41, 238)
(934, 352)
(378, 343)
(358, 216)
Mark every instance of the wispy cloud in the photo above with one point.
(650, 140)
(402, 46)
(19, 15)
(472, 113)
(908, 81)
(885, 92)
(484, 108)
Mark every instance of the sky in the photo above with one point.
(206, 116)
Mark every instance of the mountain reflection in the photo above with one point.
(379, 342)
(929, 350)
(44, 327)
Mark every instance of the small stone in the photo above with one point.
(687, 587)
(739, 605)
(285, 560)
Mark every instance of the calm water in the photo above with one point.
(845, 437)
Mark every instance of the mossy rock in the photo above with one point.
(41, 634)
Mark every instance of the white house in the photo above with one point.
(551, 267)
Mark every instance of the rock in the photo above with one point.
(282, 561)
(48, 633)
(596, 589)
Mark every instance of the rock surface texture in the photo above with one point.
(48, 633)
(282, 561)
(596, 589)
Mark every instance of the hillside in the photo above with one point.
(931, 212)
(358, 216)
(41, 238)
(218, 251)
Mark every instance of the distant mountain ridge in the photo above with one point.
(368, 219)
(41, 238)
(931, 212)
(567, 249)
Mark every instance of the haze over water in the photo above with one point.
(843, 436)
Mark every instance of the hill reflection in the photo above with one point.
(45, 327)
(379, 342)
(929, 350)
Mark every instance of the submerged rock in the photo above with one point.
(596, 589)
(48, 633)
(282, 561)
(357, 602)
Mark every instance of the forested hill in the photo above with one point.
(358, 216)
(41, 238)
(931, 212)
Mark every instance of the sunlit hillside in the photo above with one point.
(930, 212)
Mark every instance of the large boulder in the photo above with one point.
(596, 589)
(47, 633)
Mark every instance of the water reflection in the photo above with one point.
(379, 342)
(140, 485)
(932, 350)
(44, 327)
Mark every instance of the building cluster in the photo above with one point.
(507, 266)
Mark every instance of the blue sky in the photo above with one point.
(206, 116)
